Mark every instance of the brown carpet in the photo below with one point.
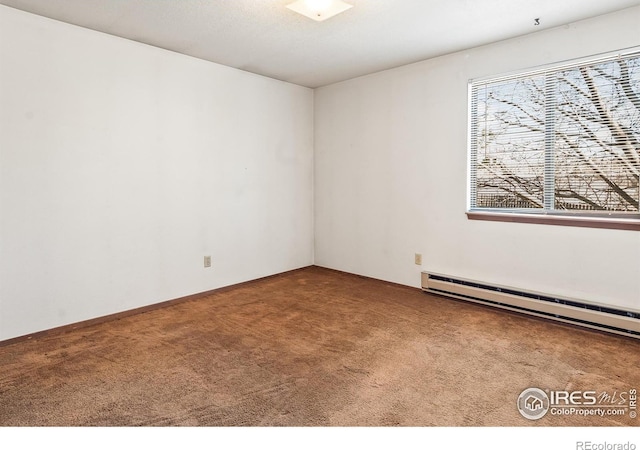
(313, 347)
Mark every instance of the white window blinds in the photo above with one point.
(563, 139)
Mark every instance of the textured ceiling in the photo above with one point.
(264, 37)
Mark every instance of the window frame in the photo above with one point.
(592, 219)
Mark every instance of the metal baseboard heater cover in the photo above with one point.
(591, 315)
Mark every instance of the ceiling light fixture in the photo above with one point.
(319, 10)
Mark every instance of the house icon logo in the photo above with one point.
(533, 403)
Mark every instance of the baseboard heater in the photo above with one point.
(566, 310)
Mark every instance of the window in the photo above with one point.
(558, 145)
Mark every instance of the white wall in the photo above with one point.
(390, 178)
(122, 165)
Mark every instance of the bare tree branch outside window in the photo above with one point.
(563, 140)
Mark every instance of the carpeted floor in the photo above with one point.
(313, 347)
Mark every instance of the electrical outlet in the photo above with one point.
(418, 259)
(207, 261)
